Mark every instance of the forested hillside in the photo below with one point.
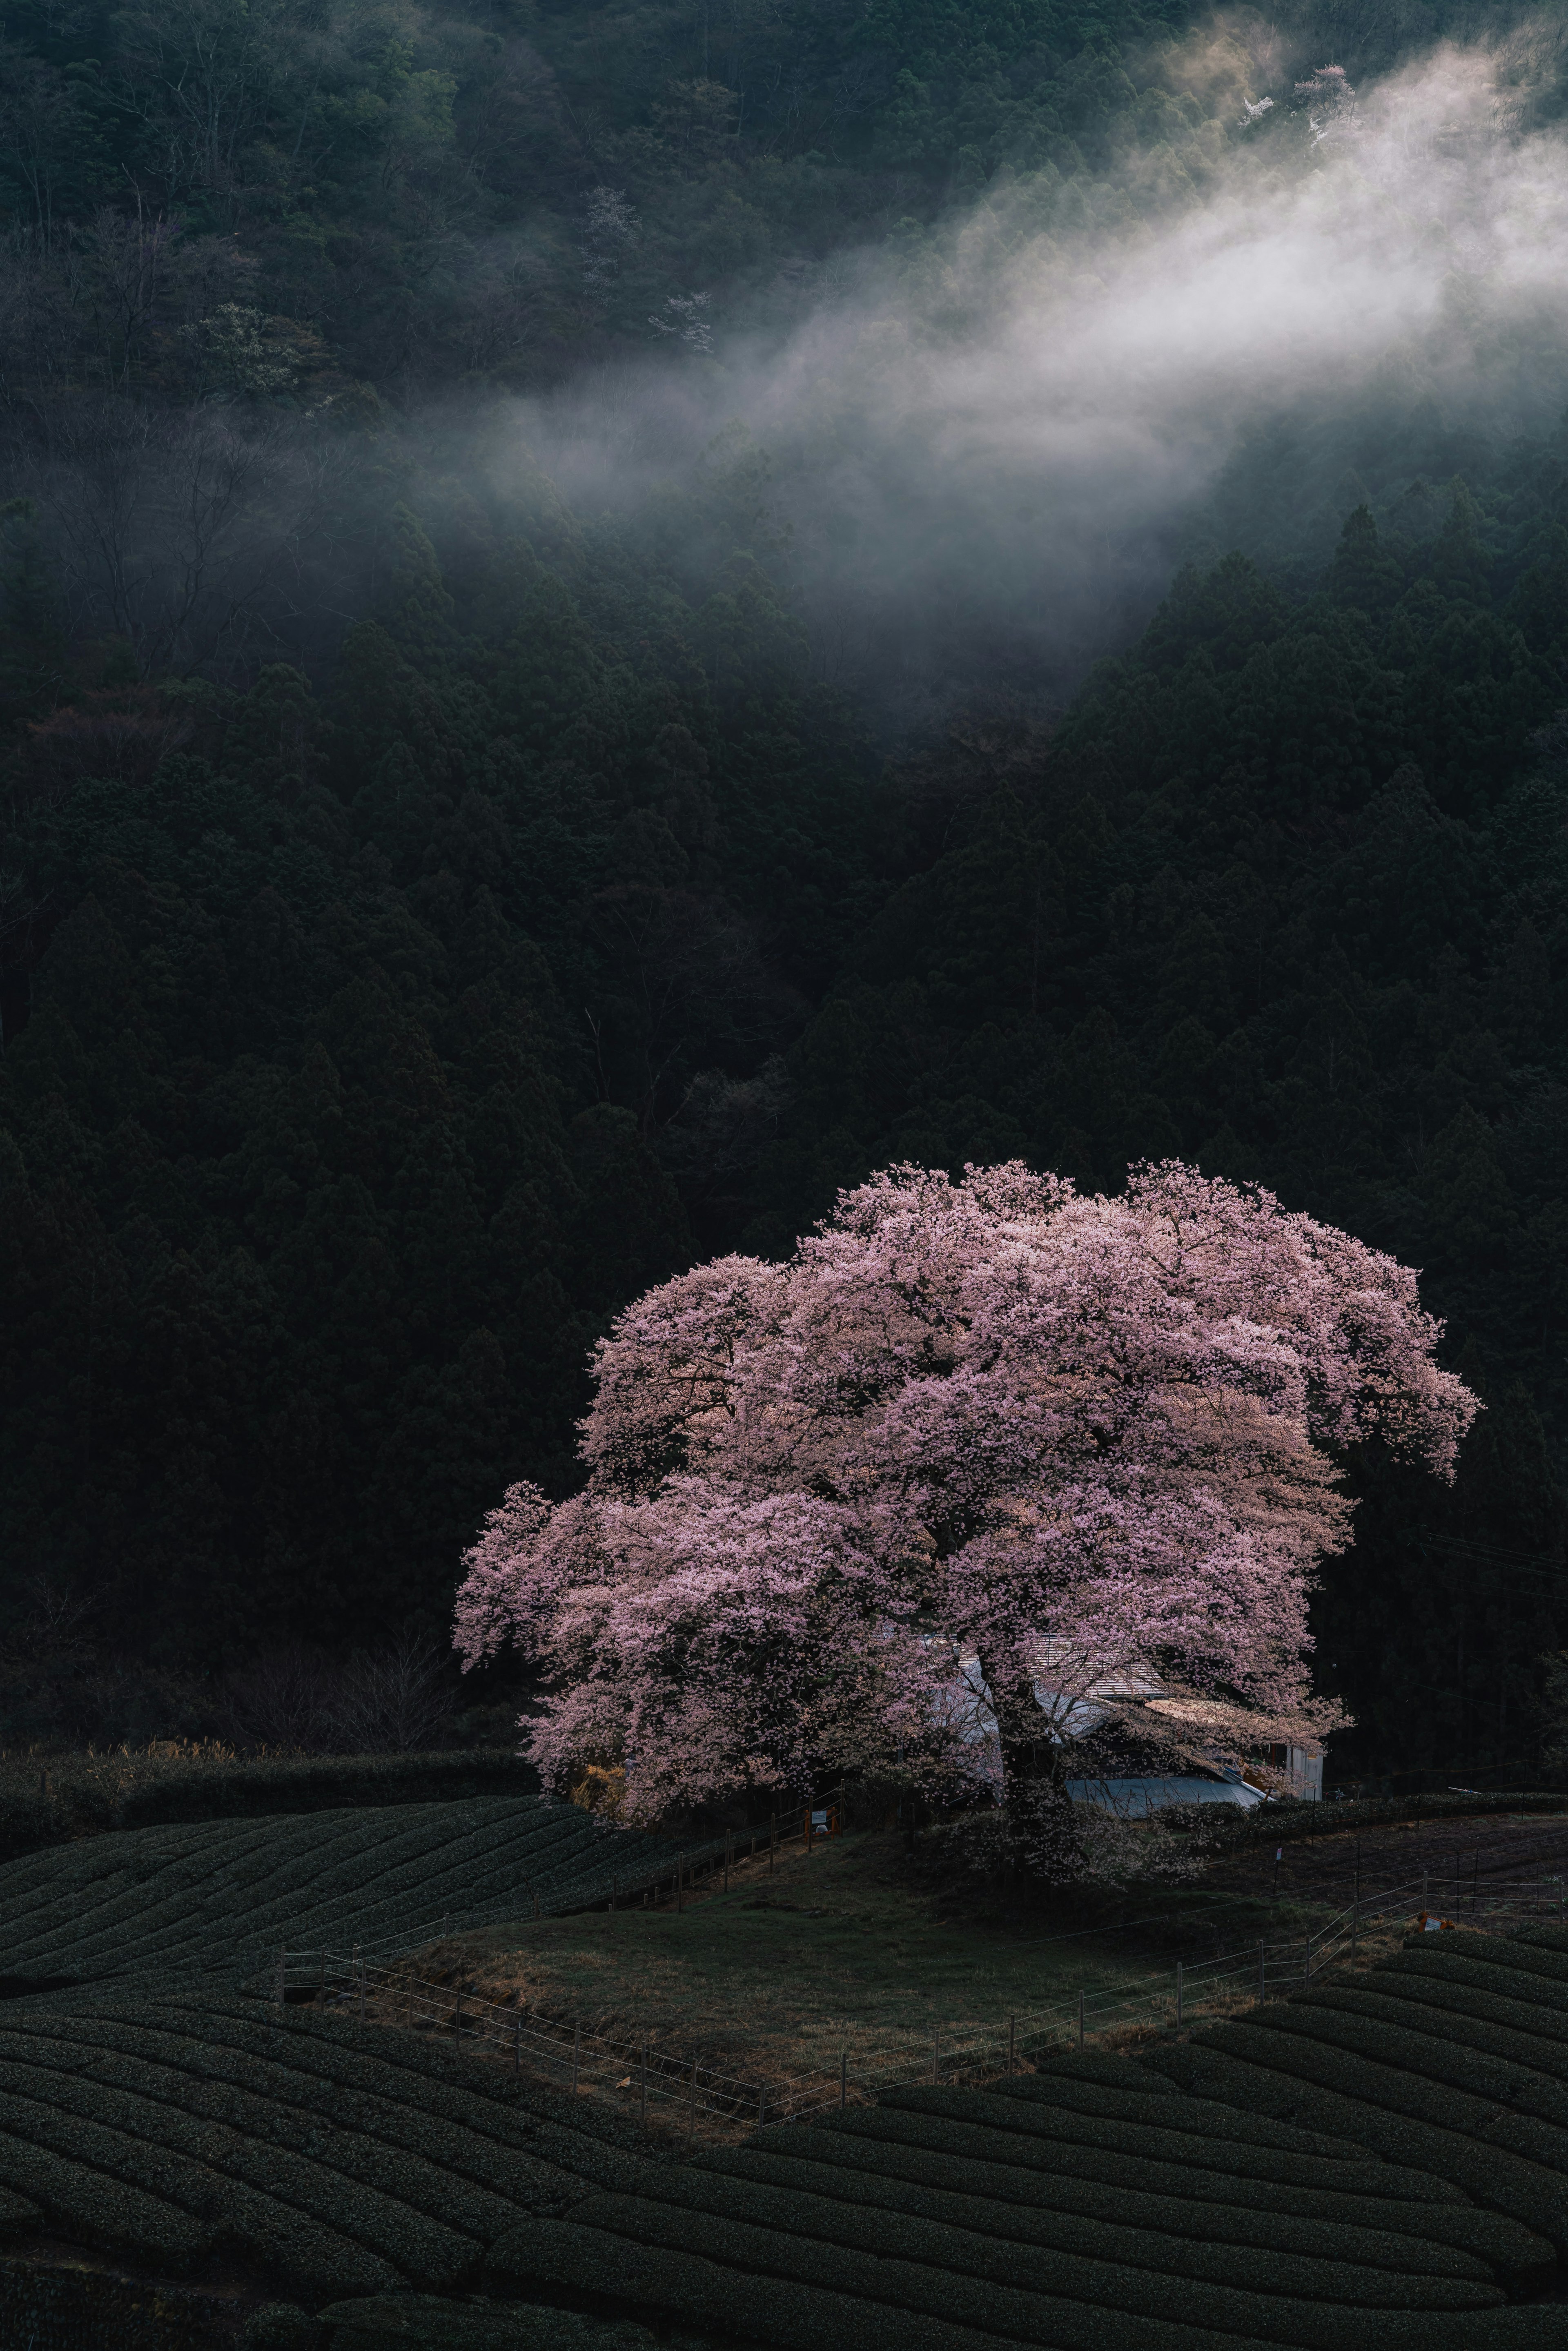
(438, 902)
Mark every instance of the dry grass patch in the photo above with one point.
(833, 1950)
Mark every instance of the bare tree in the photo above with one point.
(393, 1700)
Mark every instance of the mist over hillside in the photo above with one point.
(612, 619)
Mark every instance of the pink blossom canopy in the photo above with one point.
(991, 1436)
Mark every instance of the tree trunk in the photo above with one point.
(1043, 1841)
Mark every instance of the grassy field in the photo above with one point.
(840, 1949)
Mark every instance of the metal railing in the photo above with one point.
(693, 2094)
(379, 1985)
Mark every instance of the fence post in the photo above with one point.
(518, 2049)
(1179, 1995)
(1080, 2016)
(363, 1974)
(282, 1959)
(843, 2079)
(935, 2055)
(1425, 1903)
(1262, 1974)
(1012, 2043)
(457, 2021)
(772, 1840)
(576, 2052)
(644, 2081)
(411, 2000)
(692, 2106)
(446, 1916)
(323, 1994)
(762, 2105)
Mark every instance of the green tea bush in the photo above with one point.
(419, 2321)
(251, 2194)
(1130, 2270)
(46, 1800)
(467, 2180)
(92, 2199)
(262, 2133)
(57, 2307)
(1508, 2250)
(229, 1893)
(347, 2158)
(771, 2303)
(1291, 1823)
(567, 2137)
(281, 2327)
(1130, 2095)
(1454, 2018)
(967, 2143)
(1470, 1988)
(1430, 2058)
(1252, 2159)
(1405, 2121)
(1534, 1965)
(1231, 2247)
(1034, 2312)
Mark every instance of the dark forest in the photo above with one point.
(449, 883)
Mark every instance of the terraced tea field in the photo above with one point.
(1378, 2164)
(1382, 2162)
(227, 1894)
(177, 2127)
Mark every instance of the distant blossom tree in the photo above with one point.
(987, 1454)
(1329, 99)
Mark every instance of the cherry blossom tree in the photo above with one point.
(987, 1471)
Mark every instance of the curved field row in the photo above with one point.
(229, 1893)
(1376, 2166)
(1101, 2205)
(328, 2154)
(1449, 2056)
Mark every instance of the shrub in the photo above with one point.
(1290, 1823)
(419, 2321)
(1158, 2232)
(88, 2199)
(843, 2277)
(1127, 2268)
(1386, 2110)
(65, 2306)
(255, 2195)
(1533, 1965)
(1469, 1988)
(281, 2327)
(1509, 2250)
(1133, 2094)
(1214, 2152)
(1435, 2059)
(1119, 2169)
(56, 1800)
(228, 1893)
(1457, 2020)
